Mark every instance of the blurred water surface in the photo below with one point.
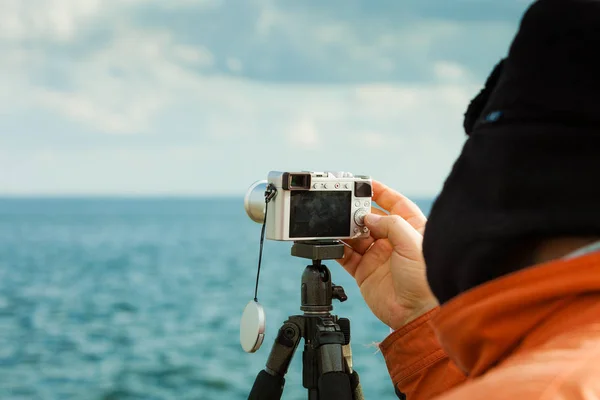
(141, 299)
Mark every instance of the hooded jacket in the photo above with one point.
(532, 334)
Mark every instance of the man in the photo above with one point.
(508, 306)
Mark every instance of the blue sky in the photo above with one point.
(200, 97)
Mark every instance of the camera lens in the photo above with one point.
(254, 202)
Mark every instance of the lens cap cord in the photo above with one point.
(253, 322)
(269, 194)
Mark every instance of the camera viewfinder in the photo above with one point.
(362, 189)
(294, 181)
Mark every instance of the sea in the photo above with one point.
(141, 298)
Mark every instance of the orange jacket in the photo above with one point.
(534, 334)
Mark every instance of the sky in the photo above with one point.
(205, 97)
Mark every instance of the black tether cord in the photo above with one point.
(269, 194)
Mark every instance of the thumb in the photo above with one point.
(402, 236)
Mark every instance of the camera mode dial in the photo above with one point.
(359, 217)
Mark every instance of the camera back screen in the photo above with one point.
(320, 214)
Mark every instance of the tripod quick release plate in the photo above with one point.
(319, 250)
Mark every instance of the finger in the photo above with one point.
(399, 204)
(371, 261)
(402, 236)
(351, 260)
(362, 266)
(361, 245)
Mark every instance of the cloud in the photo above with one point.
(268, 19)
(388, 41)
(450, 71)
(234, 64)
(57, 20)
(303, 133)
(189, 122)
(51, 19)
(198, 56)
(150, 107)
(117, 89)
(342, 42)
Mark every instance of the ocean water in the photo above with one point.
(141, 299)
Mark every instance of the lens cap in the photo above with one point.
(252, 327)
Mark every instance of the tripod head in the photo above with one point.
(317, 291)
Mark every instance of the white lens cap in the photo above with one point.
(252, 327)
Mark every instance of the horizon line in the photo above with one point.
(41, 196)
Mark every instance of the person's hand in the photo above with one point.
(388, 266)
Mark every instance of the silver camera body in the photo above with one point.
(318, 206)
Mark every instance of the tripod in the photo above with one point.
(327, 358)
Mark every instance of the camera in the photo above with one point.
(311, 205)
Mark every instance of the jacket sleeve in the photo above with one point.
(418, 366)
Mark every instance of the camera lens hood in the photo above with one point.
(254, 202)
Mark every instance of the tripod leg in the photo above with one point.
(325, 371)
(354, 379)
(270, 382)
(334, 382)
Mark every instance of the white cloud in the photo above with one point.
(49, 19)
(333, 33)
(268, 19)
(449, 71)
(373, 140)
(101, 113)
(402, 134)
(62, 20)
(120, 88)
(142, 83)
(179, 4)
(234, 64)
(386, 65)
(199, 56)
(303, 133)
(117, 89)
